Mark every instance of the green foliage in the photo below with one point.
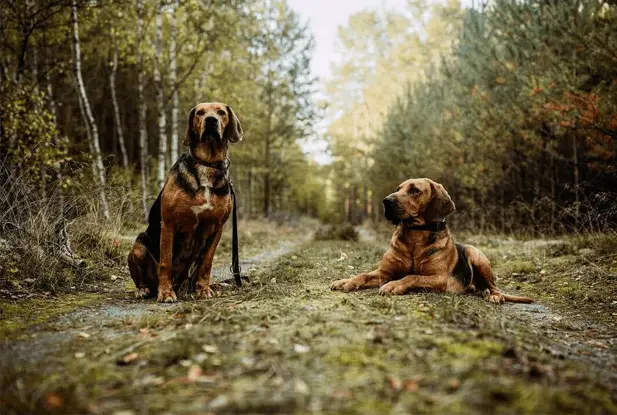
(518, 120)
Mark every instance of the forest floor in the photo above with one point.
(286, 344)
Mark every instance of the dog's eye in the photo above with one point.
(221, 112)
(201, 112)
(413, 190)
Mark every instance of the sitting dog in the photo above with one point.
(186, 221)
(423, 254)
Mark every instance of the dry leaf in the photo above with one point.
(128, 359)
(410, 385)
(195, 373)
(54, 401)
(395, 383)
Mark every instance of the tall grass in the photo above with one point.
(32, 216)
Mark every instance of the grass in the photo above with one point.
(286, 344)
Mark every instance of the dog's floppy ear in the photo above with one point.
(233, 131)
(441, 204)
(190, 134)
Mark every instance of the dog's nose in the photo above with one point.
(211, 120)
(388, 201)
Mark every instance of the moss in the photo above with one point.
(520, 266)
(20, 314)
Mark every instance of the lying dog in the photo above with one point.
(423, 254)
(186, 221)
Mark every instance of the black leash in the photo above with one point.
(235, 256)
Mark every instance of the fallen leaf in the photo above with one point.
(195, 373)
(454, 384)
(127, 359)
(394, 382)
(83, 335)
(410, 385)
(54, 401)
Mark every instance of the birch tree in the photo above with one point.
(143, 133)
(160, 99)
(114, 102)
(173, 81)
(95, 147)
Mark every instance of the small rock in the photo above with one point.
(80, 355)
(301, 348)
(273, 281)
(209, 348)
(83, 335)
(301, 387)
(218, 402)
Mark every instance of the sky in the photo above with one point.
(324, 18)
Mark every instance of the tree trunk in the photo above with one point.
(143, 133)
(160, 99)
(114, 102)
(97, 159)
(576, 180)
(173, 79)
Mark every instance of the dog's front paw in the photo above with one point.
(141, 293)
(167, 296)
(345, 284)
(204, 292)
(393, 288)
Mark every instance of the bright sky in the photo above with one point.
(324, 17)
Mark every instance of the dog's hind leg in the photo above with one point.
(143, 269)
(483, 278)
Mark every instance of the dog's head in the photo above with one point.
(418, 202)
(212, 121)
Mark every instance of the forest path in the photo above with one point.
(286, 344)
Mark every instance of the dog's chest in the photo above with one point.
(210, 200)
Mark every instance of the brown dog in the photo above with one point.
(186, 220)
(422, 253)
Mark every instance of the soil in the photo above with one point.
(286, 344)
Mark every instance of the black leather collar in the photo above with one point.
(431, 226)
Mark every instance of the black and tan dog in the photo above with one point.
(186, 221)
(423, 254)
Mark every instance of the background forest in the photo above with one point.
(511, 105)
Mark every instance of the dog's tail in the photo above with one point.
(516, 299)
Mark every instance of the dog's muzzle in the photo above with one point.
(211, 129)
(392, 209)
